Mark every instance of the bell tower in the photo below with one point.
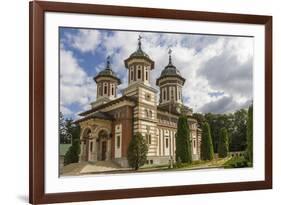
(170, 83)
(107, 82)
(139, 66)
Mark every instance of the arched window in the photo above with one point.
(164, 94)
(105, 89)
(146, 74)
(132, 74)
(112, 90)
(139, 74)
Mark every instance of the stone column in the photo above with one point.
(95, 149)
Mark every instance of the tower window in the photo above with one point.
(146, 75)
(105, 89)
(172, 93)
(139, 74)
(164, 94)
(132, 74)
(112, 90)
(194, 144)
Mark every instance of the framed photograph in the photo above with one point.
(139, 102)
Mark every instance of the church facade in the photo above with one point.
(108, 127)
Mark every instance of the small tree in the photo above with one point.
(207, 150)
(223, 143)
(137, 151)
(183, 147)
(72, 155)
(249, 149)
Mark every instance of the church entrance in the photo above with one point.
(104, 145)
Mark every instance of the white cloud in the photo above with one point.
(85, 40)
(76, 87)
(209, 64)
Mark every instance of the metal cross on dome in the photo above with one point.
(170, 58)
(139, 39)
(108, 61)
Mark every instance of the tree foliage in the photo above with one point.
(250, 134)
(183, 147)
(235, 123)
(72, 155)
(223, 143)
(65, 129)
(207, 150)
(69, 133)
(137, 151)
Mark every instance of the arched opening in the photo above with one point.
(104, 145)
(85, 144)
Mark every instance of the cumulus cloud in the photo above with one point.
(84, 40)
(224, 105)
(210, 64)
(76, 87)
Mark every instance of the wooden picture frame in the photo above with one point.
(37, 101)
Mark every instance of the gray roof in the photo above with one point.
(170, 71)
(107, 72)
(139, 53)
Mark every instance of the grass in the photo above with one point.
(237, 162)
(200, 164)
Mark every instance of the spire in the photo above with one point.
(139, 43)
(108, 62)
(170, 57)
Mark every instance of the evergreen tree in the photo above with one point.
(250, 134)
(62, 129)
(183, 147)
(207, 150)
(137, 151)
(223, 143)
(72, 155)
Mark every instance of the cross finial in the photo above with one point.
(139, 39)
(108, 62)
(170, 53)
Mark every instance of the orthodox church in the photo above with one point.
(107, 128)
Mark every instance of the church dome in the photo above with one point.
(107, 72)
(170, 71)
(139, 53)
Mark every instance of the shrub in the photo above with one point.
(237, 162)
(72, 155)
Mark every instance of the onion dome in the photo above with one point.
(170, 70)
(139, 53)
(107, 72)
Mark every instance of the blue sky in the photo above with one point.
(218, 69)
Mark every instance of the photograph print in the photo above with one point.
(138, 101)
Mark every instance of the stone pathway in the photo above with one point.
(89, 167)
